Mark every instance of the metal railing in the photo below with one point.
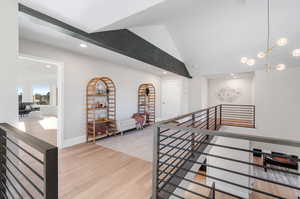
(238, 115)
(186, 143)
(29, 166)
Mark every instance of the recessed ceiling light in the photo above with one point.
(83, 45)
(244, 60)
(165, 72)
(232, 74)
(251, 62)
(48, 66)
(296, 53)
(261, 55)
(280, 67)
(282, 42)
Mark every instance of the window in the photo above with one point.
(41, 95)
(20, 93)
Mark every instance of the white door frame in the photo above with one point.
(60, 85)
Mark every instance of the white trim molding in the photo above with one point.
(74, 141)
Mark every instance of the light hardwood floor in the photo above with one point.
(89, 171)
(44, 129)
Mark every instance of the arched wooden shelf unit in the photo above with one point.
(146, 102)
(100, 108)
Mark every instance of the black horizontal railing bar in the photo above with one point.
(238, 173)
(6, 187)
(242, 162)
(171, 193)
(238, 114)
(18, 181)
(204, 185)
(171, 142)
(185, 150)
(24, 163)
(228, 182)
(250, 126)
(238, 107)
(160, 180)
(175, 133)
(26, 177)
(173, 161)
(250, 105)
(30, 140)
(12, 185)
(185, 115)
(233, 148)
(241, 149)
(237, 136)
(185, 189)
(172, 148)
(176, 125)
(237, 119)
(24, 150)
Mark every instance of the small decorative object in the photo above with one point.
(147, 91)
(228, 94)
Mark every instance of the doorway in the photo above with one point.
(171, 98)
(40, 97)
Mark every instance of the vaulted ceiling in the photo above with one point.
(209, 36)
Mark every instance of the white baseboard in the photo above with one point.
(74, 141)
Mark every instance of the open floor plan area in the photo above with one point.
(149, 99)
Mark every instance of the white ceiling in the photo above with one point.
(210, 35)
(35, 71)
(32, 29)
(213, 35)
(90, 15)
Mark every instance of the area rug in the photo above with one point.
(137, 143)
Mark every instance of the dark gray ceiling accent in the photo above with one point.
(122, 41)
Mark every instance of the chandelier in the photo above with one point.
(270, 48)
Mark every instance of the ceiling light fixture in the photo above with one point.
(269, 48)
(261, 55)
(296, 53)
(280, 67)
(48, 66)
(244, 60)
(251, 62)
(165, 72)
(83, 45)
(282, 42)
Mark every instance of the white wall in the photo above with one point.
(174, 96)
(8, 57)
(243, 85)
(78, 70)
(277, 98)
(198, 93)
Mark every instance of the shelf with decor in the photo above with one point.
(101, 108)
(146, 102)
